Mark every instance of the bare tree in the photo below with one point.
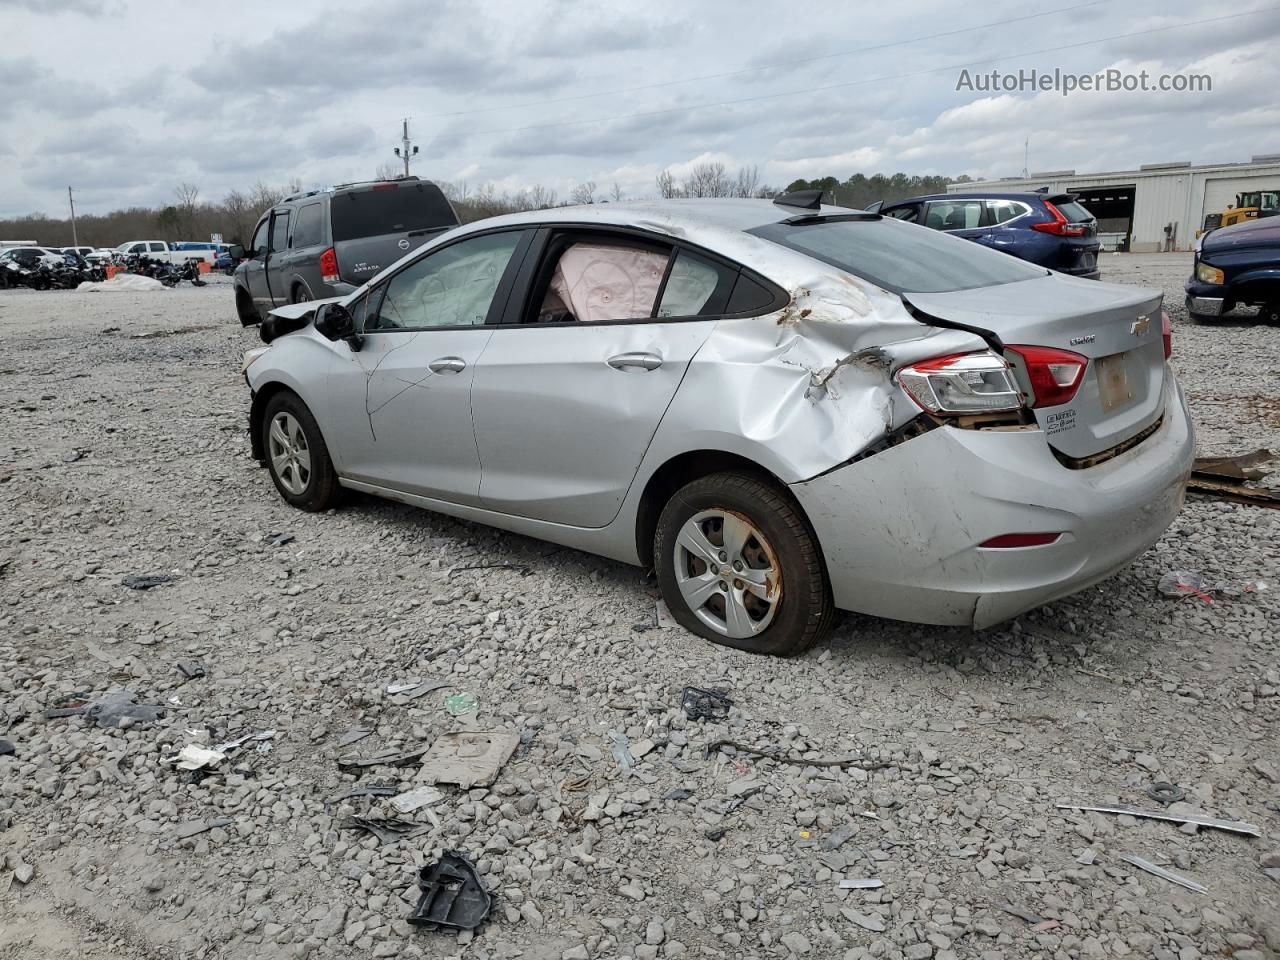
(584, 192)
(667, 185)
(240, 215)
(747, 182)
(188, 196)
(264, 195)
(707, 180)
(540, 197)
(387, 171)
(616, 193)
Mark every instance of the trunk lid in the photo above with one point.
(375, 225)
(1117, 328)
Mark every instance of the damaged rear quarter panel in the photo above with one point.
(803, 389)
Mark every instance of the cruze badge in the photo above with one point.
(1088, 338)
(1140, 326)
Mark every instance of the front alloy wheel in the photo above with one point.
(290, 455)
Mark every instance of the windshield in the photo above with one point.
(901, 257)
(382, 210)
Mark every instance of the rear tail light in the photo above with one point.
(961, 383)
(1059, 226)
(1009, 541)
(1055, 375)
(1166, 329)
(329, 266)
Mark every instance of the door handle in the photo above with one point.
(447, 365)
(648, 361)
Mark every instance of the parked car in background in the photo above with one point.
(163, 251)
(325, 243)
(86, 253)
(1052, 230)
(31, 256)
(1236, 266)
(785, 408)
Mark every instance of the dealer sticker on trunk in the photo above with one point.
(1060, 421)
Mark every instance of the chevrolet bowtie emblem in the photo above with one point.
(1140, 326)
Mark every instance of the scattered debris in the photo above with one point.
(354, 735)
(195, 827)
(7, 748)
(246, 738)
(386, 829)
(453, 895)
(23, 872)
(280, 539)
(145, 581)
(388, 758)
(663, 615)
(1166, 793)
(1162, 873)
(708, 704)
(468, 758)
(1046, 925)
(369, 790)
(71, 456)
(522, 568)
(413, 799)
(190, 669)
(108, 710)
(195, 757)
(1088, 857)
(622, 750)
(1231, 826)
(861, 883)
(679, 793)
(1183, 583)
(460, 704)
(1019, 912)
(402, 693)
(1243, 466)
(838, 837)
(860, 762)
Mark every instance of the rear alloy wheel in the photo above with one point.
(738, 564)
(300, 293)
(297, 457)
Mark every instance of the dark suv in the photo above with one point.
(1051, 230)
(326, 243)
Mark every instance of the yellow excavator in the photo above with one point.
(1248, 206)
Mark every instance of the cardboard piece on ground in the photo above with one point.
(470, 758)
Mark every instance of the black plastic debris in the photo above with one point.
(371, 790)
(386, 829)
(1165, 793)
(145, 581)
(838, 837)
(711, 704)
(190, 669)
(453, 896)
(280, 539)
(679, 793)
(7, 748)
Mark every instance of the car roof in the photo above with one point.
(985, 195)
(669, 216)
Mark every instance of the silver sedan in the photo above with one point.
(785, 408)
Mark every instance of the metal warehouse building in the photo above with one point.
(1159, 206)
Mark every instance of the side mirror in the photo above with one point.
(334, 322)
(236, 251)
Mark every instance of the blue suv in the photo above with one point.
(1051, 230)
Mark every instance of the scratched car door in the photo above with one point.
(400, 406)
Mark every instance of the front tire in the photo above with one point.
(738, 564)
(245, 309)
(297, 457)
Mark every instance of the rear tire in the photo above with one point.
(770, 593)
(300, 294)
(297, 456)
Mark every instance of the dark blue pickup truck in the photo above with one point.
(1237, 266)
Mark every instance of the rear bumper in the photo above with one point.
(899, 531)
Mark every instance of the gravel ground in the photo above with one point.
(124, 452)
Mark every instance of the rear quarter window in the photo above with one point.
(308, 227)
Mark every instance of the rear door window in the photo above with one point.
(953, 214)
(389, 209)
(307, 228)
(157, 248)
(593, 281)
(696, 287)
(1002, 211)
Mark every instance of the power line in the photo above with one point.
(867, 80)
(791, 61)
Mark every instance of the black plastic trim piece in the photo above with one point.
(990, 336)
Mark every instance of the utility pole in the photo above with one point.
(1026, 151)
(403, 151)
(75, 242)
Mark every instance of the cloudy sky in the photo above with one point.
(124, 99)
